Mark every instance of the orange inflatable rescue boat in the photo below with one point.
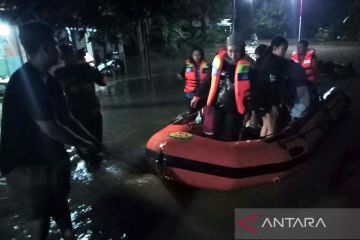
(180, 152)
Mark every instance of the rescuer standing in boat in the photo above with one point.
(229, 90)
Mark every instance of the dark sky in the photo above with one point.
(317, 13)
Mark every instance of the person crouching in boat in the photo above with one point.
(194, 72)
(229, 91)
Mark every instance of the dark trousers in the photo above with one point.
(91, 122)
(94, 125)
(200, 105)
(313, 92)
(228, 124)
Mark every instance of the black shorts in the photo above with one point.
(36, 191)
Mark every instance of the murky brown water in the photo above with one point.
(123, 200)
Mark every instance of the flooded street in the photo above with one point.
(124, 200)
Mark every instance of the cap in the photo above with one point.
(235, 39)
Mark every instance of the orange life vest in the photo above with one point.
(307, 64)
(222, 50)
(190, 75)
(241, 81)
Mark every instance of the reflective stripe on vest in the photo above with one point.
(190, 75)
(306, 64)
(242, 84)
(241, 81)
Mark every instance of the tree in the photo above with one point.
(111, 17)
(271, 18)
(352, 23)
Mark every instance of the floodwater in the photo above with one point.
(124, 200)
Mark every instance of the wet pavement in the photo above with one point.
(124, 200)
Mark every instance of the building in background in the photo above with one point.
(12, 55)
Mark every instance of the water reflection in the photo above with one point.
(123, 212)
(82, 173)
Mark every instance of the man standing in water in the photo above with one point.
(78, 80)
(35, 126)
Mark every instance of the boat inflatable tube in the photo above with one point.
(182, 153)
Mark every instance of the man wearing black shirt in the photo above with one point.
(267, 85)
(35, 125)
(78, 79)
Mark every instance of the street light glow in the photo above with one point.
(300, 16)
(4, 29)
